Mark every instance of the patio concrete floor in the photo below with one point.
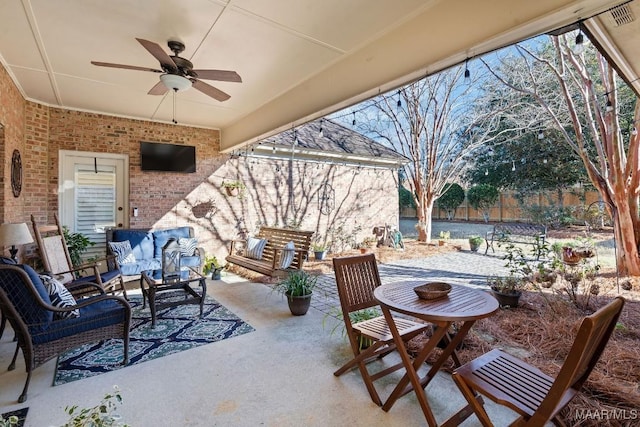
(279, 375)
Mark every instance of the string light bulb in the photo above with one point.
(578, 48)
(486, 172)
(399, 104)
(544, 161)
(321, 133)
(467, 73)
(354, 119)
(540, 134)
(513, 166)
(634, 131)
(609, 106)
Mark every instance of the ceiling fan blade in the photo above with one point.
(159, 53)
(126, 67)
(210, 90)
(221, 75)
(158, 89)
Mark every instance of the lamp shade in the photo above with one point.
(175, 82)
(15, 234)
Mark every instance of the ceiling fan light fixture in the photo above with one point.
(175, 82)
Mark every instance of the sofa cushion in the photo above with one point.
(123, 252)
(100, 314)
(161, 237)
(141, 242)
(188, 245)
(139, 266)
(33, 314)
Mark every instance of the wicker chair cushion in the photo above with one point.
(161, 237)
(100, 314)
(123, 252)
(21, 296)
(60, 297)
(141, 242)
(106, 277)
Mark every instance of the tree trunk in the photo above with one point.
(627, 260)
(424, 226)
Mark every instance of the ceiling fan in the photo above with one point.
(177, 73)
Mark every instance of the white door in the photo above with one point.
(93, 194)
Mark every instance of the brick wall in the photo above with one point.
(362, 199)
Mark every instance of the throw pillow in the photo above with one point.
(255, 247)
(123, 252)
(288, 253)
(188, 245)
(60, 297)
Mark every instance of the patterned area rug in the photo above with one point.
(177, 329)
(20, 413)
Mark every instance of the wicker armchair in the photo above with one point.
(43, 333)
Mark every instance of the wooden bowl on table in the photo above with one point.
(432, 290)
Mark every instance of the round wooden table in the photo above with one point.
(461, 304)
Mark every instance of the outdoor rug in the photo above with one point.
(177, 329)
(20, 413)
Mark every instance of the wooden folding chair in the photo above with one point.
(534, 395)
(357, 277)
(56, 260)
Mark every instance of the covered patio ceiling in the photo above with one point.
(298, 59)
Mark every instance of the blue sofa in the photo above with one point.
(147, 249)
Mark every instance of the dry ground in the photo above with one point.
(541, 331)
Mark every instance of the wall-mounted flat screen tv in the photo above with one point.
(167, 157)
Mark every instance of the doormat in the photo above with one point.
(177, 329)
(20, 413)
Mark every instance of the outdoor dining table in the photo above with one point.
(461, 304)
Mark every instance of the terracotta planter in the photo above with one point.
(299, 305)
(319, 255)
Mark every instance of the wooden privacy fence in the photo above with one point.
(508, 209)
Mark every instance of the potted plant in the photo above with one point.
(507, 290)
(297, 286)
(319, 251)
(475, 242)
(211, 265)
(444, 237)
(234, 188)
(367, 244)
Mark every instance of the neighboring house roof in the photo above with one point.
(336, 144)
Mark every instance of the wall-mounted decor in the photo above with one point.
(16, 173)
(326, 199)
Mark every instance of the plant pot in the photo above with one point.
(442, 242)
(507, 299)
(474, 246)
(216, 274)
(299, 305)
(319, 255)
(364, 250)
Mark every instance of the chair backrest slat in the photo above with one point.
(53, 248)
(356, 278)
(591, 339)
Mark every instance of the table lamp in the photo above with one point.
(14, 235)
